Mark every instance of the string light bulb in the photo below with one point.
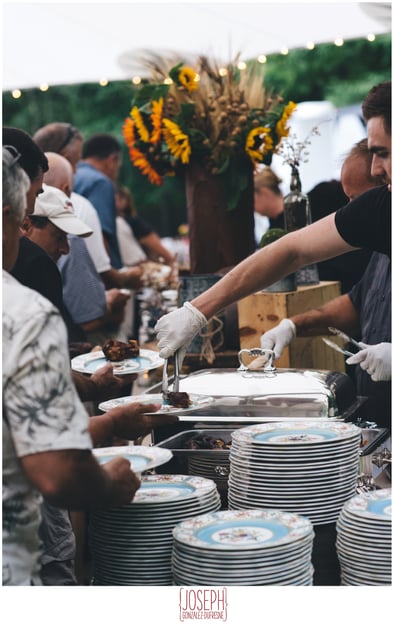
(103, 82)
(242, 65)
(136, 80)
(44, 86)
(223, 71)
(371, 37)
(262, 58)
(16, 94)
(284, 51)
(338, 42)
(310, 45)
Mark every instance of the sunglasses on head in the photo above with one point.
(71, 133)
(14, 153)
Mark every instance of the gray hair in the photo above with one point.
(16, 183)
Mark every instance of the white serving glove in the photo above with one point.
(375, 359)
(279, 337)
(176, 330)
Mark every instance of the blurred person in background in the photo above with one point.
(268, 202)
(327, 197)
(131, 227)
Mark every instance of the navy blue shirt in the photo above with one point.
(372, 299)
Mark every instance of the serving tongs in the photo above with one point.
(334, 345)
(341, 334)
(164, 383)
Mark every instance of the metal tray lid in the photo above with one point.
(271, 385)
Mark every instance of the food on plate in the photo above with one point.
(207, 442)
(179, 399)
(116, 351)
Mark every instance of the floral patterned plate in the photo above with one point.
(90, 362)
(197, 402)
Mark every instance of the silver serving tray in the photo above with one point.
(258, 396)
(177, 443)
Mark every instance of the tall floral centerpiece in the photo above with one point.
(213, 125)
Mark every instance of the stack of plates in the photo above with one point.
(215, 467)
(304, 467)
(364, 539)
(248, 547)
(132, 544)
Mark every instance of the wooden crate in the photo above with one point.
(263, 310)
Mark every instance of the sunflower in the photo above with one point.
(187, 78)
(177, 142)
(156, 117)
(142, 163)
(139, 122)
(281, 126)
(128, 132)
(138, 159)
(258, 143)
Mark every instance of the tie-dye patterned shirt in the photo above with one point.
(41, 412)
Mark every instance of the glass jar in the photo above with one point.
(297, 214)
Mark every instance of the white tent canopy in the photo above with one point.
(65, 43)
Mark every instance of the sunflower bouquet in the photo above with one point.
(220, 117)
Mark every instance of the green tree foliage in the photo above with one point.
(342, 75)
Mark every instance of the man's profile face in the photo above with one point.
(379, 144)
(50, 238)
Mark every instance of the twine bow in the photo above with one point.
(207, 333)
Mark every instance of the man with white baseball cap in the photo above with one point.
(52, 220)
(57, 207)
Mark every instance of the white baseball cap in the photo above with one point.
(57, 207)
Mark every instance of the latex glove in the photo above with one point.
(375, 359)
(176, 330)
(279, 337)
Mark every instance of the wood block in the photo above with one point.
(263, 310)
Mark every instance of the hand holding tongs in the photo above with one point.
(334, 345)
(164, 383)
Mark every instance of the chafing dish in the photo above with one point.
(245, 396)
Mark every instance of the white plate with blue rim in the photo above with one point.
(197, 402)
(89, 363)
(141, 458)
(375, 505)
(296, 433)
(243, 529)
